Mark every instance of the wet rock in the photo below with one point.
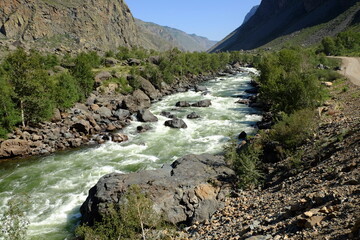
(146, 116)
(118, 137)
(193, 115)
(242, 135)
(202, 103)
(143, 128)
(172, 189)
(81, 127)
(167, 114)
(182, 104)
(243, 101)
(176, 123)
(200, 88)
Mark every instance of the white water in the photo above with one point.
(57, 185)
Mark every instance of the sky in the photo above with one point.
(213, 19)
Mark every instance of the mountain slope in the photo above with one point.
(163, 38)
(276, 18)
(105, 24)
(251, 13)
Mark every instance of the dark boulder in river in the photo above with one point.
(176, 123)
(202, 103)
(189, 190)
(146, 116)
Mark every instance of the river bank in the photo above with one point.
(97, 120)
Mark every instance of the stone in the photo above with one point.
(327, 84)
(81, 126)
(143, 128)
(182, 104)
(110, 62)
(200, 88)
(102, 76)
(104, 112)
(243, 101)
(119, 137)
(242, 135)
(94, 107)
(146, 116)
(14, 148)
(148, 88)
(167, 114)
(172, 189)
(56, 115)
(137, 101)
(202, 103)
(121, 114)
(176, 123)
(133, 62)
(193, 115)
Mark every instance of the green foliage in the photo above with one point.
(345, 43)
(66, 90)
(287, 83)
(14, 222)
(82, 72)
(293, 129)
(127, 221)
(245, 163)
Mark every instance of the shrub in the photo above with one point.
(293, 129)
(245, 163)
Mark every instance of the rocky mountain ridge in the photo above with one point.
(276, 18)
(163, 38)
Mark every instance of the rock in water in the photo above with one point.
(146, 116)
(189, 190)
(176, 123)
(202, 103)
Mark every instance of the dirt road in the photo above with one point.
(351, 69)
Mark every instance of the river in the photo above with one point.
(57, 185)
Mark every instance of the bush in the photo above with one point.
(293, 129)
(245, 163)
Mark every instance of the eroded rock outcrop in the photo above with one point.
(190, 189)
(103, 23)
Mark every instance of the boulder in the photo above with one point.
(243, 101)
(167, 114)
(242, 135)
(110, 62)
(133, 62)
(189, 190)
(148, 88)
(81, 126)
(200, 89)
(102, 76)
(202, 103)
(104, 112)
(182, 104)
(176, 123)
(193, 115)
(146, 116)
(121, 114)
(137, 101)
(119, 137)
(154, 60)
(14, 148)
(143, 128)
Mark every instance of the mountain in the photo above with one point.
(104, 24)
(161, 37)
(279, 18)
(251, 13)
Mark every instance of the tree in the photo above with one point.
(66, 90)
(83, 74)
(329, 46)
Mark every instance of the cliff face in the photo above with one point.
(105, 24)
(276, 18)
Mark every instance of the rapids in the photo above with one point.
(57, 185)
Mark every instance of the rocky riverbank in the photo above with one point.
(99, 119)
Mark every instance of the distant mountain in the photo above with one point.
(162, 38)
(297, 21)
(251, 13)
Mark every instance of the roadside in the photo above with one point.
(351, 69)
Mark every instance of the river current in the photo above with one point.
(57, 185)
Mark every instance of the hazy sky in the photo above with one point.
(213, 19)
